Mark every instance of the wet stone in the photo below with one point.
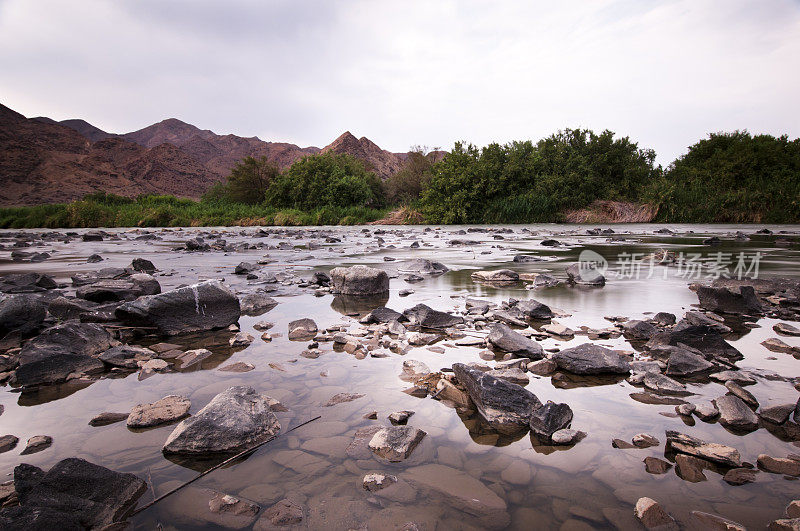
(106, 418)
(37, 443)
(395, 443)
(740, 476)
(8, 442)
(735, 414)
(168, 409)
(654, 465)
(653, 516)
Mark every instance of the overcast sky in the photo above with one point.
(665, 73)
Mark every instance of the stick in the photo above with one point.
(220, 465)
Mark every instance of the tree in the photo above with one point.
(406, 185)
(248, 182)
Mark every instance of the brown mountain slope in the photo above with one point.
(380, 161)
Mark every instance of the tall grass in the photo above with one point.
(107, 210)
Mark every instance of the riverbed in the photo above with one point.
(590, 484)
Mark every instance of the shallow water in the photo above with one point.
(590, 483)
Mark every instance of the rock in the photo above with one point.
(500, 275)
(426, 317)
(381, 315)
(701, 319)
(585, 273)
(143, 266)
(241, 339)
(423, 267)
(61, 351)
(722, 299)
(654, 465)
(359, 280)
(26, 283)
(701, 338)
(400, 417)
(664, 318)
(714, 452)
(462, 492)
(644, 440)
(513, 375)
(106, 418)
(737, 390)
(506, 406)
(543, 280)
(653, 516)
(414, 369)
(419, 339)
(566, 437)
(544, 367)
(37, 443)
(793, 509)
(448, 391)
(341, 398)
(76, 490)
(740, 476)
(396, 443)
(244, 268)
(124, 289)
(188, 359)
(558, 330)
(712, 522)
(504, 338)
(194, 507)
(639, 330)
(550, 418)
(589, 358)
(786, 329)
(534, 309)
(683, 362)
(94, 258)
(690, 468)
(234, 420)
(663, 384)
(686, 409)
(284, 513)
(126, 356)
(734, 414)
(376, 482)
(237, 367)
(205, 306)
(621, 445)
(786, 524)
(779, 465)
(168, 409)
(740, 377)
(302, 329)
(262, 326)
(777, 414)
(706, 411)
(22, 313)
(774, 344)
(321, 278)
(8, 442)
(256, 303)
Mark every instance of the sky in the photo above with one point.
(403, 73)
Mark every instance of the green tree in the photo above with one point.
(406, 185)
(327, 179)
(247, 183)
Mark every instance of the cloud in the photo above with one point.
(413, 72)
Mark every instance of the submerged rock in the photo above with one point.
(589, 358)
(359, 280)
(256, 303)
(234, 420)
(205, 306)
(506, 406)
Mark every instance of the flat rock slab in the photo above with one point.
(234, 420)
(461, 491)
(396, 443)
(714, 452)
(106, 418)
(589, 358)
(168, 409)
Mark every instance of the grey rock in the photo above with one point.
(663, 384)
(143, 266)
(123, 289)
(381, 315)
(106, 418)
(533, 309)
(701, 319)
(585, 273)
(256, 303)
(396, 443)
(423, 267)
(205, 306)
(639, 330)
(714, 452)
(726, 300)
(664, 318)
(683, 362)
(234, 420)
(734, 414)
(589, 358)
(702, 338)
(22, 313)
(302, 329)
(244, 268)
(504, 338)
(168, 409)
(126, 356)
(777, 414)
(426, 317)
(359, 280)
(550, 418)
(500, 275)
(506, 406)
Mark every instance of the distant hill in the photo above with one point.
(45, 161)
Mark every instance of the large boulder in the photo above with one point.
(26, 283)
(701, 338)
(23, 313)
(124, 289)
(589, 358)
(533, 309)
(683, 362)
(204, 306)
(73, 489)
(359, 280)
(734, 414)
(426, 317)
(728, 300)
(506, 406)
(234, 420)
(60, 351)
(504, 338)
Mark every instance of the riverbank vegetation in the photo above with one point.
(571, 176)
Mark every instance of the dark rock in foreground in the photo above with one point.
(727, 300)
(23, 313)
(506, 406)
(234, 420)
(203, 306)
(73, 494)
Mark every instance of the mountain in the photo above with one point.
(46, 161)
(380, 161)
